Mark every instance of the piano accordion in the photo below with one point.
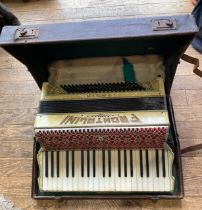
(105, 126)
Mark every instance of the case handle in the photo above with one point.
(191, 148)
(195, 62)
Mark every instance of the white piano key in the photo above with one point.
(122, 178)
(85, 178)
(156, 177)
(100, 173)
(128, 178)
(144, 178)
(167, 182)
(109, 174)
(81, 177)
(90, 178)
(96, 180)
(137, 166)
(101, 178)
(55, 181)
(112, 181)
(65, 179)
(60, 178)
(70, 178)
(98, 168)
(107, 179)
(134, 178)
(76, 168)
(161, 179)
(49, 179)
(77, 175)
(151, 170)
(45, 179)
(116, 175)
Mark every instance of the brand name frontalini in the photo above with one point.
(100, 119)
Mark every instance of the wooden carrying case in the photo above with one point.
(38, 45)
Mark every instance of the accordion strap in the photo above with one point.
(191, 148)
(198, 72)
(195, 62)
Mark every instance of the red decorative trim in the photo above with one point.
(147, 137)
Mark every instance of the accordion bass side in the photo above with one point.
(105, 126)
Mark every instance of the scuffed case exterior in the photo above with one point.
(178, 192)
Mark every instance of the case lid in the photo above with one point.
(38, 45)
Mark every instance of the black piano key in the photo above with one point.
(72, 163)
(46, 163)
(88, 163)
(103, 163)
(109, 162)
(147, 162)
(131, 163)
(82, 163)
(52, 164)
(163, 163)
(125, 164)
(141, 165)
(157, 163)
(58, 163)
(67, 163)
(119, 163)
(94, 163)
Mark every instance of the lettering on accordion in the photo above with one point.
(102, 130)
(99, 119)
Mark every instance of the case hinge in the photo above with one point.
(164, 24)
(26, 33)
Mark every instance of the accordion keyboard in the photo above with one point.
(106, 170)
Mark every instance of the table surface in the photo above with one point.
(19, 97)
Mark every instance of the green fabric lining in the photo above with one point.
(128, 70)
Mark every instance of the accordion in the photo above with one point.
(105, 126)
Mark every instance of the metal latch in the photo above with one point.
(26, 33)
(164, 24)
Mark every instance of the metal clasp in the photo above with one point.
(164, 24)
(26, 33)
